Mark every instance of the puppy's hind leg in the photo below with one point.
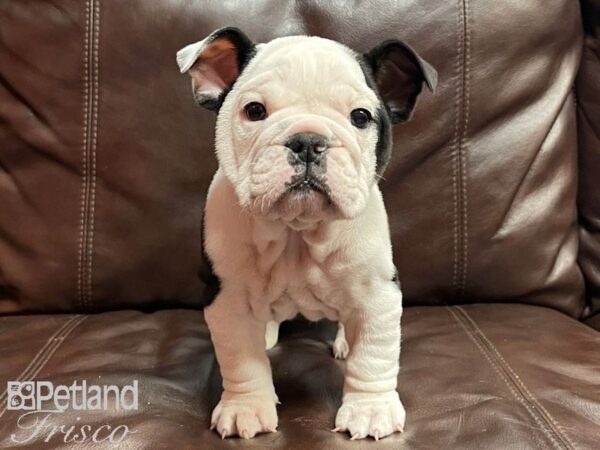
(340, 345)
(272, 334)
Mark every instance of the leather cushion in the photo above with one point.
(480, 376)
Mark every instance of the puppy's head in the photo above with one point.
(304, 123)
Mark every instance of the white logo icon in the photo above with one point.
(21, 395)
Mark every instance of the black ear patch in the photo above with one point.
(383, 149)
(399, 73)
(397, 89)
(215, 63)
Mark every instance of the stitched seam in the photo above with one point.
(52, 348)
(90, 108)
(463, 144)
(511, 387)
(84, 165)
(455, 146)
(88, 202)
(47, 343)
(556, 428)
(57, 342)
(42, 357)
(92, 203)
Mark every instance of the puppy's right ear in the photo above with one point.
(215, 63)
(400, 74)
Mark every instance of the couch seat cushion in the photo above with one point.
(478, 376)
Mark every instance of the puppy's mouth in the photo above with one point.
(305, 196)
(308, 185)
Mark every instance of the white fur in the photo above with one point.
(271, 334)
(279, 256)
(287, 76)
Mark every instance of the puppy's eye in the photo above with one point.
(360, 117)
(255, 111)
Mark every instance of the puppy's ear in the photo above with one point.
(399, 74)
(215, 63)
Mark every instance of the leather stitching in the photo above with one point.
(21, 377)
(459, 162)
(84, 165)
(454, 152)
(539, 414)
(463, 143)
(90, 137)
(517, 380)
(510, 386)
(42, 357)
(92, 205)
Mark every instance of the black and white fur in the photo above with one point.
(295, 222)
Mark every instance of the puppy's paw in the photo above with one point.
(244, 415)
(340, 348)
(375, 415)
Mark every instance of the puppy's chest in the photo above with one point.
(296, 278)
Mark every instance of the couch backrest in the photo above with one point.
(105, 159)
(588, 100)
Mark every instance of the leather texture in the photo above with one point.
(588, 98)
(480, 376)
(493, 197)
(106, 159)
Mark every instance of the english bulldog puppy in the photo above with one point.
(295, 222)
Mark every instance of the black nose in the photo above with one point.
(309, 147)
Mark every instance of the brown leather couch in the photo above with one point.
(493, 195)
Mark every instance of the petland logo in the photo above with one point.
(44, 402)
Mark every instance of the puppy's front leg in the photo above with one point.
(247, 405)
(371, 406)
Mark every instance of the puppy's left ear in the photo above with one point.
(399, 74)
(214, 64)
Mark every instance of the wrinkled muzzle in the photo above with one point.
(310, 169)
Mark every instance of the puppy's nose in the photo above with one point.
(309, 147)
